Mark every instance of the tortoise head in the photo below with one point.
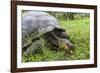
(60, 38)
(65, 43)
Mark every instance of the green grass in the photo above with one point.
(78, 31)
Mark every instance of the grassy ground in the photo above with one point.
(78, 31)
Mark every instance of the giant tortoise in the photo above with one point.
(36, 24)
